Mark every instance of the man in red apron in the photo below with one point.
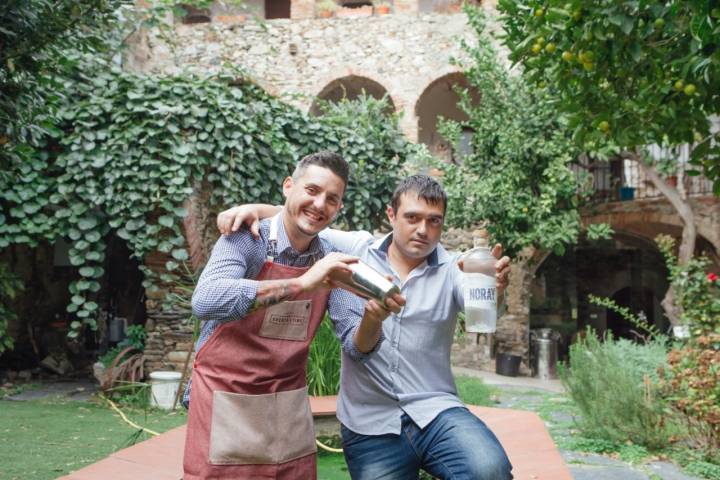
(261, 301)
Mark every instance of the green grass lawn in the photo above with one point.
(43, 440)
(47, 439)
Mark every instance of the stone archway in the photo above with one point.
(351, 87)
(629, 269)
(440, 99)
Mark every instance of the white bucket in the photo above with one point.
(164, 387)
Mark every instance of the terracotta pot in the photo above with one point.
(325, 14)
(382, 10)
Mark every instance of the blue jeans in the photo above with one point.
(456, 445)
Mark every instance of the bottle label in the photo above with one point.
(479, 291)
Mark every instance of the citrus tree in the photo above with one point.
(628, 74)
(516, 176)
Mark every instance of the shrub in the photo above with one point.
(10, 285)
(615, 386)
(136, 336)
(692, 380)
(323, 370)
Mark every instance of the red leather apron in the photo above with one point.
(249, 414)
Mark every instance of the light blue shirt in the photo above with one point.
(410, 372)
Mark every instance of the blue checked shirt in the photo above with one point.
(227, 287)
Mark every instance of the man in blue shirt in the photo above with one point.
(399, 410)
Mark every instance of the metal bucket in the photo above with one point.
(544, 353)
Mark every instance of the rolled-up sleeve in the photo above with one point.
(222, 293)
(346, 311)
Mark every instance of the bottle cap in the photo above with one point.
(480, 237)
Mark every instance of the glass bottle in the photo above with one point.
(479, 287)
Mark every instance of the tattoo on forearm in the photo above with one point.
(271, 292)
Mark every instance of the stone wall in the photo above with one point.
(170, 333)
(650, 217)
(404, 53)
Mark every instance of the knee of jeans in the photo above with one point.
(490, 467)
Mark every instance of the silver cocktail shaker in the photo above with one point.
(367, 282)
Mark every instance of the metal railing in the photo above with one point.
(623, 180)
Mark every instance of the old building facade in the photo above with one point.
(413, 57)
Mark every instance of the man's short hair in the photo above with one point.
(326, 159)
(425, 187)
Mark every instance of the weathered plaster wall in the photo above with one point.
(404, 53)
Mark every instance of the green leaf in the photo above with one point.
(166, 221)
(86, 223)
(198, 112)
(180, 254)
(87, 272)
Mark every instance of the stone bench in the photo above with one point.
(523, 434)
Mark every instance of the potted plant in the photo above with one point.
(381, 7)
(455, 6)
(326, 8)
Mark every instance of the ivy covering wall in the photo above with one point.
(128, 150)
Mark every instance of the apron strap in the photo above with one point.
(271, 251)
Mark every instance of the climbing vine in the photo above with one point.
(128, 150)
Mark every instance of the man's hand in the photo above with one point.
(502, 268)
(320, 275)
(232, 219)
(368, 333)
(377, 312)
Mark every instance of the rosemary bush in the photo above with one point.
(615, 385)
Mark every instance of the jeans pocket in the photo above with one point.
(349, 437)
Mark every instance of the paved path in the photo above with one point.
(522, 393)
(516, 393)
(522, 433)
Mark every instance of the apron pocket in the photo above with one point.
(263, 429)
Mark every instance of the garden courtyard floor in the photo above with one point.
(42, 426)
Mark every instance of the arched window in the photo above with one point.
(191, 14)
(351, 87)
(439, 99)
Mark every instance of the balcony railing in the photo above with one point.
(622, 180)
